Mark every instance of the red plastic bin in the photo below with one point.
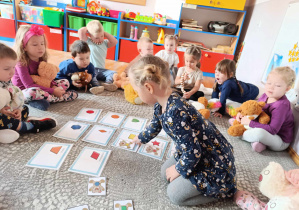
(72, 36)
(127, 50)
(7, 28)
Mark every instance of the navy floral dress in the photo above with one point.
(203, 155)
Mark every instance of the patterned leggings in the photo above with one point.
(36, 93)
(7, 122)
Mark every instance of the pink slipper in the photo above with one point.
(258, 147)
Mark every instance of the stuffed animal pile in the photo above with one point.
(201, 105)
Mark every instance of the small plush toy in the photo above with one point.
(274, 184)
(81, 78)
(214, 104)
(46, 74)
(250, 109)
(120, 80)
(5, 98)
(201, 105)
(131, 95)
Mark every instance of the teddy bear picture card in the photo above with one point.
(155, 148)
(113, 119)
(97, 186)
(124, 141)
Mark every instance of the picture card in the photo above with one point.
(88, 114)
(50, 155)
(171, 150)
(113, 119)
(99, 134)
(72, 130)
(124, 140)
(97, 186)
(84, 207)
(134, 123)
(91, 161)
(123, 205)
(155, 148)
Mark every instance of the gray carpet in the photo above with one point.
(130, 176)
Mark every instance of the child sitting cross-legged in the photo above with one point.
(13, 113)
(31, 48)
(94, 35)
(80, 62)
(202, 169)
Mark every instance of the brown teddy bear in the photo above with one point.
(46, 74)
(201, 105)
(251, 109)
(120, 80)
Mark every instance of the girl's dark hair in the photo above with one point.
(7, 52)
(227, 67)
(195, 52)
(79, 46)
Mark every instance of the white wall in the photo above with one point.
(260, 38)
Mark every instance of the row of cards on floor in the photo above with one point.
(118, 205)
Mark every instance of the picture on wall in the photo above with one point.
(286, 49)
(138, 2)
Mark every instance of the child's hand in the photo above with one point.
(17, 114)
(58, 92)
(293, 177)
(171, 173)
(136, 140)
(187, 95)
(217, 114)
(245, 121)
(239, 117)
(76, 84)
(6, 111)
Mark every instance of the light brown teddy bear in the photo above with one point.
(201, 105)
(252, 110)
(120, 80)
(46, 74)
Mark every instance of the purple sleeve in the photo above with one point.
(278, 116)
(27, 81)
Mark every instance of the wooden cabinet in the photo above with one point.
(211, 40)
(226, 4)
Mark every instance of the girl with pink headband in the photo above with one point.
(31, 48)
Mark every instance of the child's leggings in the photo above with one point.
(36, 93)
(181, 191)
(273, 142)
(12, 123)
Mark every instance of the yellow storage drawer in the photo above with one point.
(226, 4)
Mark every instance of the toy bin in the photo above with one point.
(32, 13)
(87, 20)
(110, 27)
(76, 22)
(114, 13)
(53, 18)
(6, 11)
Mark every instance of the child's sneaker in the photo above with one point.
(246, 200)
(110, 86)
(42, 124)
(97, 90)
(8, 136)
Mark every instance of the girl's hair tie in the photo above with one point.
(34, 30)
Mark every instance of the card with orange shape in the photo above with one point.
(100, 135)
(113, 119)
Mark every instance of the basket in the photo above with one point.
(32, 13)
(76, 22)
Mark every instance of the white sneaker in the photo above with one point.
(96, 90)
(8, 136)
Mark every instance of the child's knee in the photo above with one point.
(173, 196)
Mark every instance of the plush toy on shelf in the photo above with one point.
(277, 186)
(201, 105)
(46, 74)
(252, 110)
(81, 77)
(93, 7)
(102, 11)
(130, 16)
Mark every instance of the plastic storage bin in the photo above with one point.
(6, 11)
(110, 27)
(32, 13)
(114, 13)
(76, 22)
(53, 18)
